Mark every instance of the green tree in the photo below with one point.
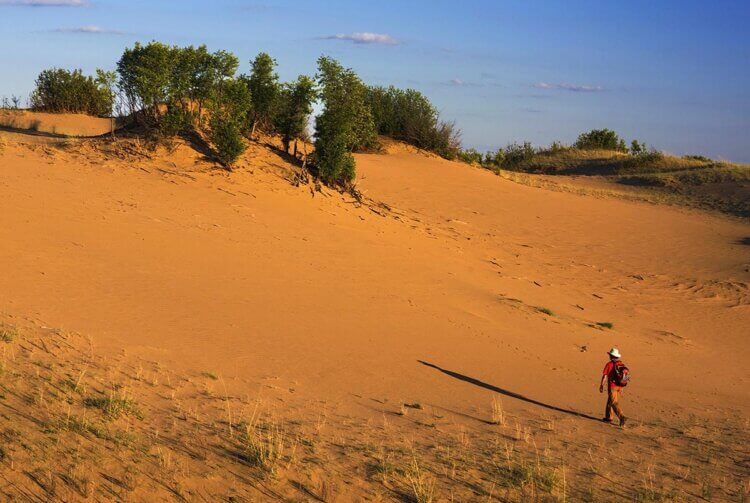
(345, 124)
(295, 104)
(107, 82)
(637, 147)
(169, 86)
(146, 77)
(228, 116)
(263, 83)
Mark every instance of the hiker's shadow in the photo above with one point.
(481, 384)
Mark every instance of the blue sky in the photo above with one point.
(673, 73)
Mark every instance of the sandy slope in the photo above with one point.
(55, 124)
(255, 277)
(246, 275)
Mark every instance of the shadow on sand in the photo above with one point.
(744, 241)
(477, 382)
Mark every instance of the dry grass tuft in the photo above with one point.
(8, 333)
(421, 483)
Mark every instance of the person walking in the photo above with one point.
(617, 376)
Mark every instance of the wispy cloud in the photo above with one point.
(46, 3)
(461, 83)
(568, 87)
(89, 30)
(364, 37)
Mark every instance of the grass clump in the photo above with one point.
(605, 324)
(546, 311)
(114, 406)
(8, 333)
(421, 484)
(651, 495)
(522, 475)
(264, 447)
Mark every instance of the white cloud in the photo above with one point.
(363, 37)
(89, 29)
(568, 87)
(46, 3)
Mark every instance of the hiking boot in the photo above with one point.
(622, 421)
(606, 420)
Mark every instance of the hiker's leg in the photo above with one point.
(608, 409)
(615, 398)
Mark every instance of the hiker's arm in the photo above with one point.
(601, 384)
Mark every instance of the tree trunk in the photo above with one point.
(295, 148)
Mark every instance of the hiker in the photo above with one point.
(616, 375)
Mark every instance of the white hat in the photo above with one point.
(614, 352)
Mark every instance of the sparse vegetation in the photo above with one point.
(546, 311)
(421, 483)
(185, 433)
(498, 414)
(264, 446)
(115, 406)
(8, 333)
(691, 180)
(605, 324)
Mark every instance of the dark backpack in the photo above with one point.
(620, 374)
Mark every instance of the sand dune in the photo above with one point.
(246, 275)
(55, 124)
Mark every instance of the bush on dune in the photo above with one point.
(407, 115)
(63, 91)
(601, 139)
(345, 125)
(228, 111)
(263, 83)
(294, 109)
(169, 86)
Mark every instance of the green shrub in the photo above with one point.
(227, 139)
(600, 139)
(407, 115)
(637, 147)
(494, 158)
(115, 406)
(176, 120)
(643, 159)
(229, 110)
(345, 125)
(60, 91)
(697, 158)
(516, 154)
(470, 156)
